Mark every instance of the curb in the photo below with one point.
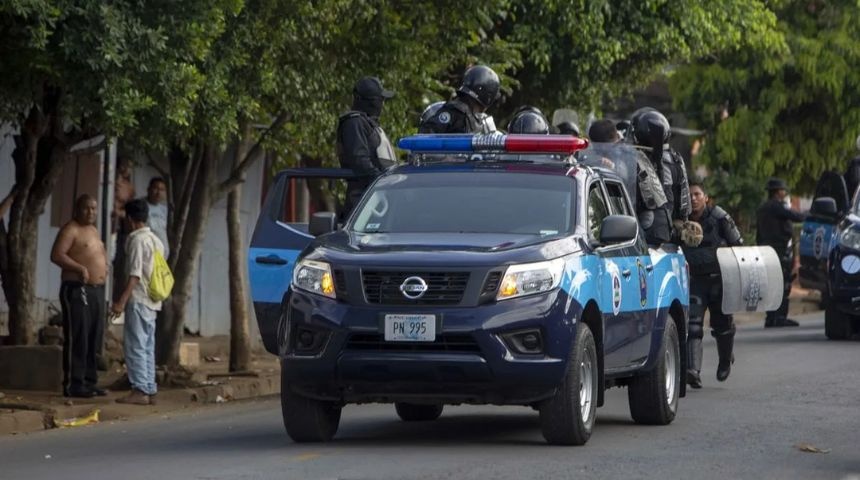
(28, 417)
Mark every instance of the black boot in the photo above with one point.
(725, 344)
(694, 362)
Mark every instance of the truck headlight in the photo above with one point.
(850, 238)
(314, 277)
(529, 278)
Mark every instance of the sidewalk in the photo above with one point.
(28, 411)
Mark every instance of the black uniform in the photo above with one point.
(454, 117)
(773, 224)
(706, 290)
(363, 147)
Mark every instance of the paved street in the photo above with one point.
(788, 387)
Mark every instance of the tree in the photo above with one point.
(287, 69)
(582, 53)
(789, 107)
(70, 71)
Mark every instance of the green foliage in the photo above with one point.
(109, 62)
(579, 53)
(788, 107)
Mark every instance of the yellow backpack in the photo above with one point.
(161, 282)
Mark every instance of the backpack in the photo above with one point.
(161, 282)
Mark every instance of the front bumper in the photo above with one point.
(470, 362)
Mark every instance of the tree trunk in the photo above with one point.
(169, 331)
(38, 159)
(240, 339)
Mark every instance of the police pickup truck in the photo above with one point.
(830, 254)
(489, 269)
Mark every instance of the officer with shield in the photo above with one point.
(706, 292)
(651, 133)
(361, 142)
(773, 228)
(466, 113)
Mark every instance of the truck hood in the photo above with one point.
(438, 249)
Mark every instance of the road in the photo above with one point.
(788, 387)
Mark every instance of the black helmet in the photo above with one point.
(529, 120)
(429, 112)
(480, 83)
(650, 129)
(568, 128)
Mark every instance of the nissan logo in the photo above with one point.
(413, 288)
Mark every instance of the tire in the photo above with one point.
(837, 325)
(653, 395)
(411, 412)
(567, 418)
(308, 419)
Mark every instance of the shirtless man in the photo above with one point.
(80, 253)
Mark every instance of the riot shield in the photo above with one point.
(618, 157)
(752, 279)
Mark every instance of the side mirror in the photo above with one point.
(322, 223)
(618, 229)
(824, 206)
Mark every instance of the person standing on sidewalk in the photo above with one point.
(706, 287)
(156, 198)
(773, 228)
(140, 310)
(81, 255)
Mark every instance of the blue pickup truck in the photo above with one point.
(488, 269)
(830, 255)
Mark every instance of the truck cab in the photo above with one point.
(488, 269)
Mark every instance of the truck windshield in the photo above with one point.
(469, 202)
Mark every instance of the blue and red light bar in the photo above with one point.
(498, 142)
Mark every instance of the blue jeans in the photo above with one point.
(139, 346)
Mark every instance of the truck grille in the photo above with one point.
(443, 288)
(446, 342)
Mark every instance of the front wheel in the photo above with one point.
(308, 419)
(837, 325)
(411, 412)
(567, 418)
(653, 396)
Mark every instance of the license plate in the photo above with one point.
(410, 328)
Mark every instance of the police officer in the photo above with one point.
(466, 112)
(651, 133)
(429, 113)
(361, 143)
(706, 287)
(528, 119)
(651, 203)
(773, 224)
(568, 128)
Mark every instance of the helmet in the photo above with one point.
(650, 129)
(529, 120)
(568, 128)
(429, 112)
(481, 83)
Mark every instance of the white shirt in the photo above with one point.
(158, 223)
(140, 250)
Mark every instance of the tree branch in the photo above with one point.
(237, 174)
